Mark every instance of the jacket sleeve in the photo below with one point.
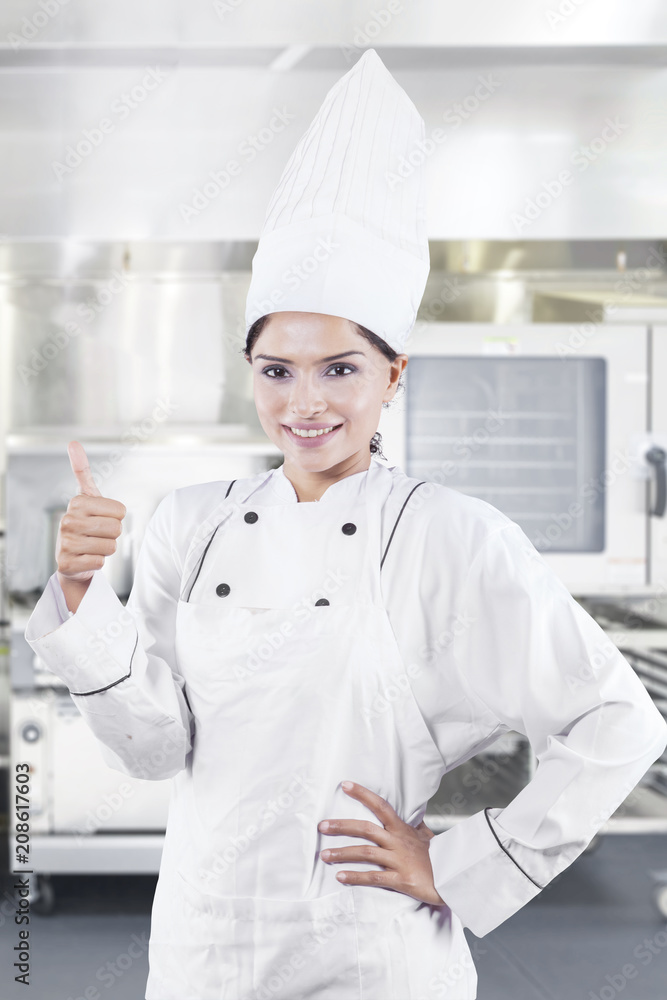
(119, 662)
(533, 660)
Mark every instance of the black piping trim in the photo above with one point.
(398, 519)
(201, 561)
(81, 694)
(486, 813)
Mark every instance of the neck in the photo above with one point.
(310, 486)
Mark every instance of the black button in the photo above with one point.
(321, 601)
(222, 589)
(349, 528)
(251, 517)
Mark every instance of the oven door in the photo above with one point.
(545, 422)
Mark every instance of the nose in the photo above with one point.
(306, 397)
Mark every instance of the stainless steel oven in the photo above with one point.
(562, 427)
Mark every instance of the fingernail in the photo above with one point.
(347, 785)
(342, 876)
(324, 825)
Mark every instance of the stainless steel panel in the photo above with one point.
(262, 22)
(114, 351)
(493, 162)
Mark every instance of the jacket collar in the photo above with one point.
(282, 489)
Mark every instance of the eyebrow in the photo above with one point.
(332, 357)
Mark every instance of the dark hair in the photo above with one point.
(372, 338)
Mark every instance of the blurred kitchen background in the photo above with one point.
(139, 146)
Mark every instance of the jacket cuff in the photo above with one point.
(93, 649)
(476, 876)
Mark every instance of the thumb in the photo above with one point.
(81, 469)
(423, 828)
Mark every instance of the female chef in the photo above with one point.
(307, 651)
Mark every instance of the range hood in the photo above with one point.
(543, 121)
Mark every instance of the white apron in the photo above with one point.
(296, 683)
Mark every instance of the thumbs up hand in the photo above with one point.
(87, 531)
(81, 469)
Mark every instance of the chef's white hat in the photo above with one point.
(345, 230)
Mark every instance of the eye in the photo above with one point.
(280, 368)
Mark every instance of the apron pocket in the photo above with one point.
(258, 948)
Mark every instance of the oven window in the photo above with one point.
(525, 434)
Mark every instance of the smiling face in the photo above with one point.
(313, 372)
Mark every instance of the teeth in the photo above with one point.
(309, 433)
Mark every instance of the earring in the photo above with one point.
(376, 445)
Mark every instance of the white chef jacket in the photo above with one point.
(492, 641)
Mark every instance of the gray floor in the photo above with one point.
(570, 943)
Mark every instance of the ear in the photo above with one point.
(396, 368)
